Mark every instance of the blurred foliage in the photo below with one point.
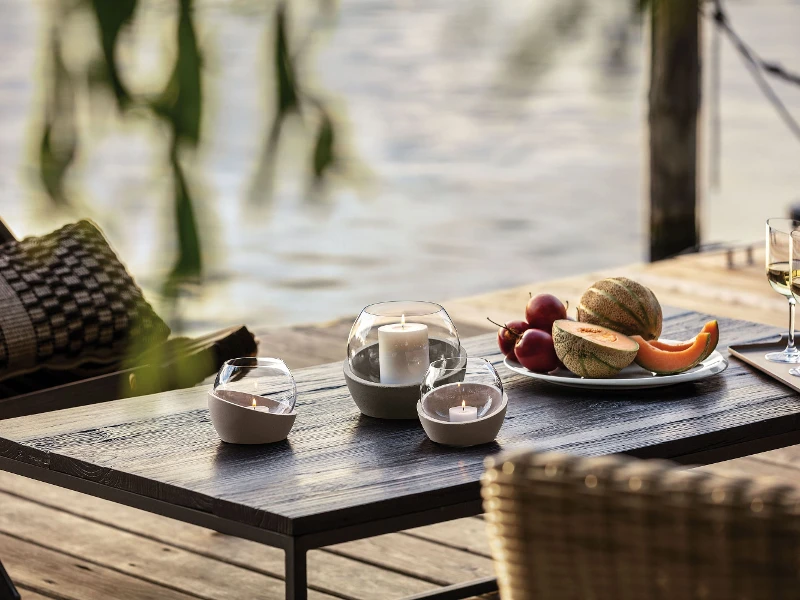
(58, 146)
(178, 107)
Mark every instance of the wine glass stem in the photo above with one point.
(790, 346)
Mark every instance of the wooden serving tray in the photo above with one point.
(753, 355)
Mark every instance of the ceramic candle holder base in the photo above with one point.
(240, 424)
(465, 433)
(391, 401)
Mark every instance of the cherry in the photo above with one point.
(535, 351)
(543, 310)
(508, 335)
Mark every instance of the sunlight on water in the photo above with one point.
(464, 174)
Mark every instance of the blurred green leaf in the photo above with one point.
(189, 264)
(287, 102)
(58, 145)
(324, 147)
(288, 97)
(181, 102)
(53, 165)
(112, 16)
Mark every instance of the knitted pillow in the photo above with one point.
(66, 300)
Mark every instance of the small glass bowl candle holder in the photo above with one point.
(252, 401)
(462, 404)
(389, 349)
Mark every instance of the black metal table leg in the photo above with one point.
(296, 572)
(7, 589)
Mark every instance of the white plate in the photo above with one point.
(630, 378)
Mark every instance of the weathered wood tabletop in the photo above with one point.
(339, 467)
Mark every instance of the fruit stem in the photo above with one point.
(506, 327)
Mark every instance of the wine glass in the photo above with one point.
(794, 276)
(779, 253)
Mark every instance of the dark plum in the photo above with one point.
(543, 310)
(508, 335)
(535, 351)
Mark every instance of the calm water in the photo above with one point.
(465, 176)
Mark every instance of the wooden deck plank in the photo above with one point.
(465, 534)
(327, 571)
(402, 551)
(145, 559)
(700, 282)
(71, 578)
(420, 558)
(30, 595)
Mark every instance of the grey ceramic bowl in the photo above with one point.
(434, 405)
(391, 401)
(238, 424)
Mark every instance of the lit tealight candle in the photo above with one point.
(259, 408)
(403, 352)
(462, 413)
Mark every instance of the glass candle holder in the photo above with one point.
(260, 384)
(252, 401)
(392, 343)
(467, 397)
(462, 405)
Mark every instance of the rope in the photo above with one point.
(758, 67)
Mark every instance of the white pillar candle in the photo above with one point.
(462, 413)
(403, 352)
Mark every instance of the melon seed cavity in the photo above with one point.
(605, 336)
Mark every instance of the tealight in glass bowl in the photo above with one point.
(265, 384)
(252, 401)
(389, 349)
(462, 405)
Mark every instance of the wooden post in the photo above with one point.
(674, 104)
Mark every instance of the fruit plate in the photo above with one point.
(630, 378)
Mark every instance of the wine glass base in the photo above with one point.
(794, 371)
(784, 357)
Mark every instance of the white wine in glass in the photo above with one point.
(781, 273)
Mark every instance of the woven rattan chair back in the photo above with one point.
(616, 528)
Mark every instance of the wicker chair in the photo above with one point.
(617, 528)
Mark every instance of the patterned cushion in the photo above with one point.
(65, 300)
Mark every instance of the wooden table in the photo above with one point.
(341, 476)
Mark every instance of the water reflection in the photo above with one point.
(461, 177)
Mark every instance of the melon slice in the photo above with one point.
(711, 328)
(670, 362)
(591, 350)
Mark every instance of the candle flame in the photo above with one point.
(403, 321)
(463, 405)
(254, 404)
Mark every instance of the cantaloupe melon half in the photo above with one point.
(711, 328)
(591, 350)
(669, 362)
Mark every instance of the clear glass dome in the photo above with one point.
(451, 384)
(263, 384)
(393, 343)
